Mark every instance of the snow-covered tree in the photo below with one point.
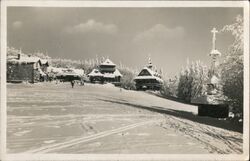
(11, 51)
(128, 75)
(232, 67)
(66, 63)
(41, 55)
(192, 81)
(170, 87)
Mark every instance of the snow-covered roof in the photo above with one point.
(11, 57)
(149, 70)
(209, 99)
(70, 71)
(108, 62)
(153, 75)
(95, 72)
(117, 73)
(54, 69)
(24, 59)
(69, 74)
(66, 71)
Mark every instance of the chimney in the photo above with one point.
(18, 56)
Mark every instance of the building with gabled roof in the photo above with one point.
(106, 72)
(148, 78)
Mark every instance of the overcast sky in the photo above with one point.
(126, 35)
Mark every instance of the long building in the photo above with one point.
(66, 74)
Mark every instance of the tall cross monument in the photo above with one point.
(214, 54)
(214, 31)
(211, 102)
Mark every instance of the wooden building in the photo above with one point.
(66, 74)
(148, 79)
(106, 72)
(25, 68)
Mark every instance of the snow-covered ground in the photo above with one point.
(54, 118)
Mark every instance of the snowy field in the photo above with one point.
(54, 118)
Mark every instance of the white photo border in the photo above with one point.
(144, 4)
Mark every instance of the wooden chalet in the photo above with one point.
(106, 72)
(148, 79)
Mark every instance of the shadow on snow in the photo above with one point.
(224, 124)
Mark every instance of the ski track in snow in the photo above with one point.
(69, 143)
(215, 139)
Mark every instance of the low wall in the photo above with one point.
(217, 111)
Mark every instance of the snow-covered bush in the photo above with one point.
(128, 75)
(192, 81)
(232, 68)
(169, 87)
